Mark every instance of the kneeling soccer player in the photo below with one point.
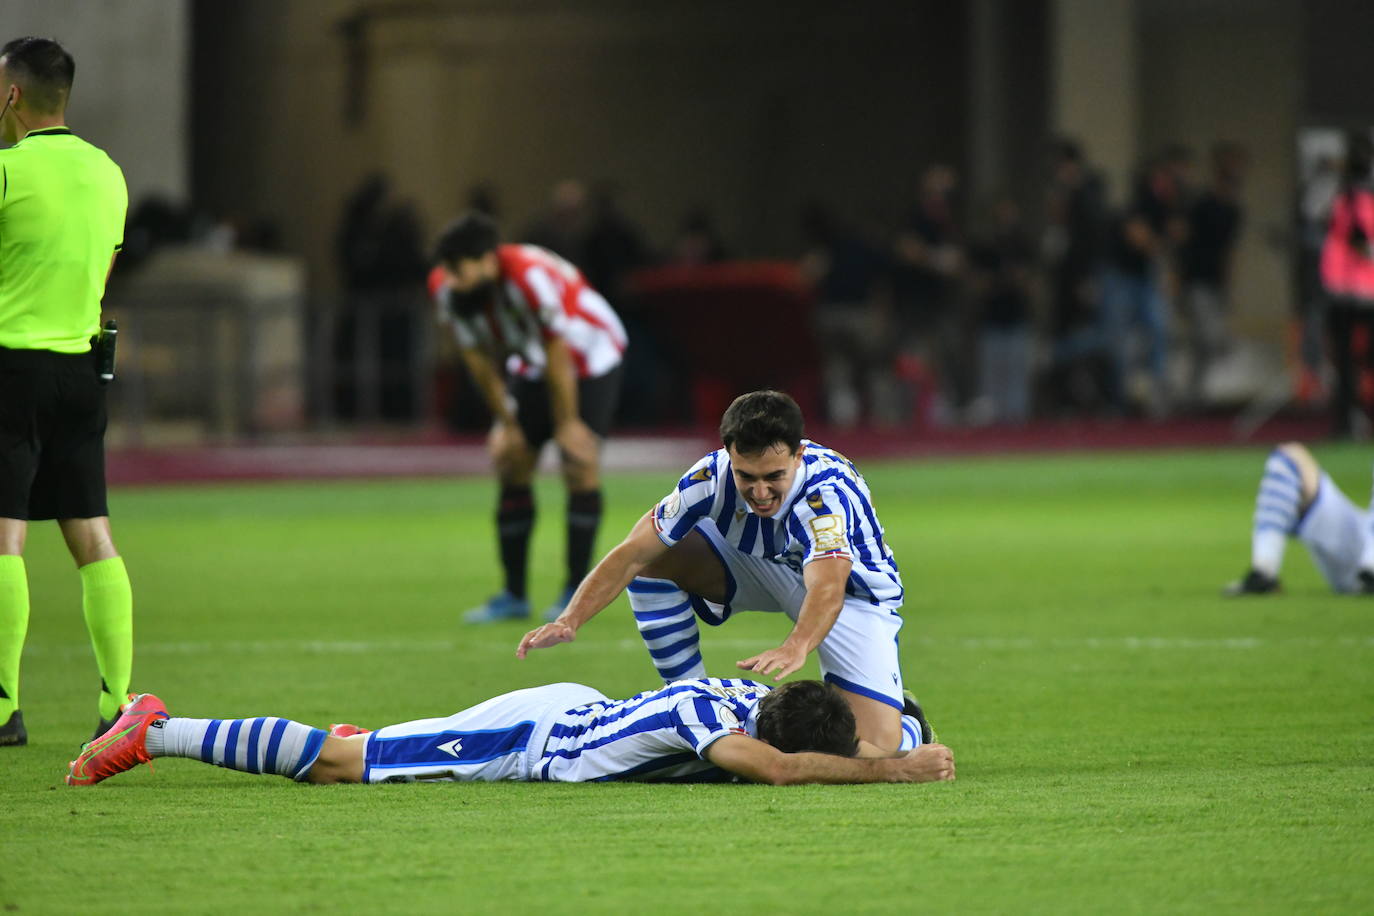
(770, 522)
(1298, 499)
(701, 730)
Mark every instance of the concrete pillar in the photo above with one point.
(987, 99)
(130, 93)
(1095, 84)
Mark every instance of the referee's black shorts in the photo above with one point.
(597, 399)
(52, 436)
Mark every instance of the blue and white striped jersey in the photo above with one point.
(658, 735)
(828, 513)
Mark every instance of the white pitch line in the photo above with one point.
(989, 644)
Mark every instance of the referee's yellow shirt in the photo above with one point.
(62, 206)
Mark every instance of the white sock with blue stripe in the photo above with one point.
(266, 745)
(668, 626)
(1276, 513)
(911, 734)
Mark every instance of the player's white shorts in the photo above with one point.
(859, 654)
(501, 738)
(1336, 531)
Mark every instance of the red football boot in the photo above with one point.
(122, 747)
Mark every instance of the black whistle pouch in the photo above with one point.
(104, 347)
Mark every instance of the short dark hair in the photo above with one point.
(43, 69)
(808, 716)
(760, 419)
(471, 235)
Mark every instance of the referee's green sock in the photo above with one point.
(14, 625)
(108, 603)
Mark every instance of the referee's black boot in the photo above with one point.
(12, 733)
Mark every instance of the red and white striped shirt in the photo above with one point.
(540, 296)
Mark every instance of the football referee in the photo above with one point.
(62, 205)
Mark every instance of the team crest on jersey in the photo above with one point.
(701, 474)
(671, 505)
(827, 533)
(815, 502)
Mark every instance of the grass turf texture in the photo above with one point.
(1127, 740)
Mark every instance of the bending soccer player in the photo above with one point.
(1298, 499)
(694, 731)
(770, 522)
(524, 311)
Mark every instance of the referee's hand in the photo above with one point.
(550, 634)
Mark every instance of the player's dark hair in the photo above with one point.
(808, 716)
(471, 235)
(43, 69)
(759, 420)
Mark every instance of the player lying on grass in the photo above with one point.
(704, 730)
(771, 522)
(1298, 499)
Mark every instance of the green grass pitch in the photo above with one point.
(1127, 740)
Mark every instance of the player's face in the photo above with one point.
(765, 478)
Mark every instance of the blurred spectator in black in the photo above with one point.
(1347, 270)
(380, 242)
(698, 241)
(1140, 249)
(1073, 248)
(482, 198)
(1001, 275)
(853, 318)
(380, 247)
(1315, 197)
(614, 245)
(614, 248)
(1205, 259)
(928, 259)
(562, 227)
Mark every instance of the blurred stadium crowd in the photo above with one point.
(963, 313)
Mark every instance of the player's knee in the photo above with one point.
(340, 761)
(1309, 471)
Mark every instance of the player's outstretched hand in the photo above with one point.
(550, 634)
(928, 763)
(783, 660)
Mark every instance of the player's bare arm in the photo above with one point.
(601, 586)
(825, 580)
(758, 761)
(508, 448)
(488, 380)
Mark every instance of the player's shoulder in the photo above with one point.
(721, 688)
(708, 468)
(515, 257)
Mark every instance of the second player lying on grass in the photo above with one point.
(704, 730)
(1297, 499)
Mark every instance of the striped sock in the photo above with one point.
(265, 745)
(1276, 513)
(911, 734)
(668, 625)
